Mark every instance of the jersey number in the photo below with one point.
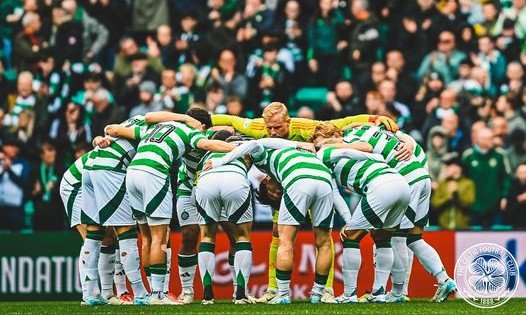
(159, 133)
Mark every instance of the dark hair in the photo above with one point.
(222, 135)
(263, 197)
(47, 146)
(82, 146)
(201, 115)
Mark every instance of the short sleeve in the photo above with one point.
(195, 137)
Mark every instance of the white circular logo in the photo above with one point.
(487, 275)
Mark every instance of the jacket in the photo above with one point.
(453, 208)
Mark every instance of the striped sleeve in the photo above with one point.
(195, 137)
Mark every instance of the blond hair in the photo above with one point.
(275, 108)
(325, 130)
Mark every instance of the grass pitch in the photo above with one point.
(419, 306)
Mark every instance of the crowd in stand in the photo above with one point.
(450, 72)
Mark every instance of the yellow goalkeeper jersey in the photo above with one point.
(300, 129)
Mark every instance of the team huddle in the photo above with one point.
(296, 166)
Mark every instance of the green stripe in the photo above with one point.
(306, 166)
(71, 200)
(320, 279)
(410, 214)
(416, 180)
(409, 168)
(411, 238)
(156, 150)
(158, 269)
(422, 222)
(351, 244)
(108, 155)
(383, 244)
(369, 214)
(109, 209)
(346, 170)
(376, 173)
(293, 210)
(295, 179)
(115, 146)
(158, 198)
(130, 234)
(107, 249)
(391, 144)
(174, 148)
(95, 235)
(234, 217)
(359, 174)
(187, 261)
(151, 164)
(418, 150)
(278, 157)
(283, 274)
(326, 223)
(207, 247)
(295, 155)
(243, 246)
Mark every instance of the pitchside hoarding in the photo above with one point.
(44, 265)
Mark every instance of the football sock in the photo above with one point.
(319, 283)
(408, 268)
(272, 257)
(148, 274)
(384, 264)
(82, 272)
(427, 256)
(207, 264)
(106, 269)
(231, 258)
(283, 280)
(158, 275)
(168, 266)
(119, 277)
(131, 262)
(187, 267)
(242, 265)
(90, 256)
(398, 273)
(330, 279)
(352, 260)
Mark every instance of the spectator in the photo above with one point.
(517, 199)
(437, 109)
(467, 39)
(375, 105)
(489, 168)
(186, 38)
(305, 112)
(427, 96)
(340, 103)
(234, 106)
(499, 126)
(445, 60)
(458, 140)
(187, 90)
(105, 112)
(364, 43)
(508, 43)
(67, 37)
(214, 99)
(489, 26)
(398, 72)
(232, 82)
(257, 18)
(387, 89)
(148, 15)
(28, 44)
(166, 44)
(514, 81)
(14, 181)
(24, 132)
(437, 147)
(128, 50)
(517, 150)
(492, 60)
(167, 95)
(11, 12)
(94, 35)
(454, 196)
(146, 98)
(325, 44)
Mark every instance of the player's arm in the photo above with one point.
(250, 127)
(366, 119)
(337, 154)
(118, 131)
(164, 116)
(215, 146)
(357, 145)
(277, 143)
(407, 147)
(340, 205)
(252, 148)
(101, 142)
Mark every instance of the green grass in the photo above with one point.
(424, 307)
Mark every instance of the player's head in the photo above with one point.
(324, 131)
(201, 115)
(277, 120)
(222, 135)
(269, 193)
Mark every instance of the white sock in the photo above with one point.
(82, 273)
(106, 270)
(398, 273)
(158, 275)
(131, 263)
(119, 278)
(384, 264)
(168, 266)
(187, 267)
(283, 280)
(207, 264)
(149, 279)
(242, 265)
(429, 258)
(232, 270)
(408, 268)
(352, 260)
(90, 257)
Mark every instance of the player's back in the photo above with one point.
(73, 174)
(289, 165)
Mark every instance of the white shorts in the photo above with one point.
(383, 205)
(224, 197)
(418, 210)
(72, 198)
(305, 194)
(150, 197)
(186, 211)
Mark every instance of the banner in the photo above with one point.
(514, 242)
(44, 266)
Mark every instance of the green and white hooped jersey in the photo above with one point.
(353, 173)
(236, 166)
(162, 144)
(289, 165)
(385, 143)
(119, 154)
(73, 175)
(188, 169)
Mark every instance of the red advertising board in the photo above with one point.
(421, 283)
